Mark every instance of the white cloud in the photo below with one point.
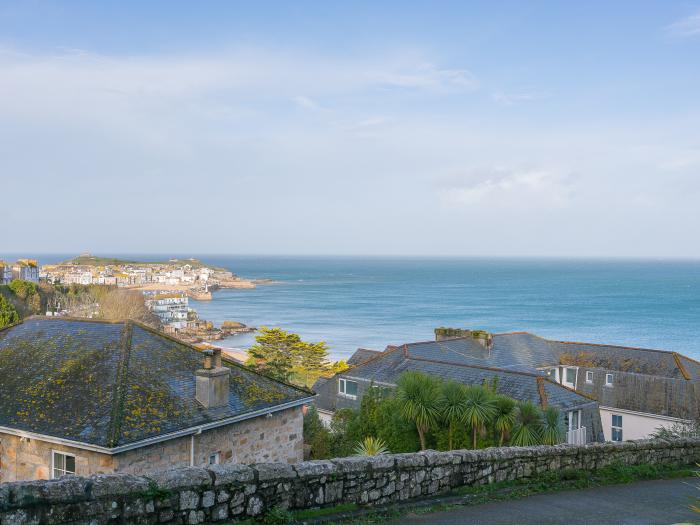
(306, 103)
(686, 27)
(509, 99)
(528, 188)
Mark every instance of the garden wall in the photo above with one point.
(236, 492)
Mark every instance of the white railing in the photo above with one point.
(576, 437)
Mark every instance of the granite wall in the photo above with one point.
(235, 492)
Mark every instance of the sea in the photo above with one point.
(371, 302)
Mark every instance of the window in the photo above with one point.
(616, 428)
(62, 465)
(570, 377)
(589, 377)
(214, 458)
(347, 388)
(609, 380)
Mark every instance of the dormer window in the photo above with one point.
(589, 377)
(608, 380)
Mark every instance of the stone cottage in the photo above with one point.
(85, 397)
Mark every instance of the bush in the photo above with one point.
(8, 313)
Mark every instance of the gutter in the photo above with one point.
(156, 439)
(646, 414)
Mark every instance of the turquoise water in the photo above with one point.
(360, 302)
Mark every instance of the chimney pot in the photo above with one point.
(208, 359)
(217, 357)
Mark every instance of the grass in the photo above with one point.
(568, 479)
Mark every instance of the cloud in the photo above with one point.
(510, 99)
(527, 188)
(686, 27)
(428, 76)
(306, 103)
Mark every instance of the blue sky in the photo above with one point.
(417, 128)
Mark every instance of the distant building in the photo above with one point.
(84, 397)
(26, 270)
(171, 308)
(5, 273)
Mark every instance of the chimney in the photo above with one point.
(212, 381)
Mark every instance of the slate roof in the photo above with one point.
(527, 352)
(361, 355)
(386, 367)
(112, 384)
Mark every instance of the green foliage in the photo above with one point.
(371, 446)
(552, 427)
(8, 313)
(278, 516)
(420, 401)
(480, 410)
(504, 417)
(28, 293)
(453, 408)
(528, 425)
(316, 436)
(285, 357)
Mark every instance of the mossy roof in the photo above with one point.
(113, 384)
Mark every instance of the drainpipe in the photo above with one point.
(199, 431)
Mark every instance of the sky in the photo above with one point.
(351, 128)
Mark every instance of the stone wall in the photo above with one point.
(235, 492)
(277, 438)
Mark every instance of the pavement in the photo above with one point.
(641, 503)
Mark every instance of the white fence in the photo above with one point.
(576, 437)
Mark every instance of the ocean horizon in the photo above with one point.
(371, 302)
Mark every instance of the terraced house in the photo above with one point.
(84, 397)
(635, 390)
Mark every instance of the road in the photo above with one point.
(642, 503)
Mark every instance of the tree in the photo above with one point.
(528, 423)
(479, 411)
(273, 353)
(316, 436)
(28, 293)
(284, 356)
(552, 427)
(453, 408)
(419, 400)
(8, 313)
(120, 305)
(504, 419)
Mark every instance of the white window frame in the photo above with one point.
(589, 377)
(216, 456)
(608, 380)
(564, 373)
(63, 470)
(613, 428)
(571, 420)
(342, 388)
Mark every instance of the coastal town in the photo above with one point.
(167, 288)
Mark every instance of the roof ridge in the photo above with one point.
(119, 394)
(681, 367)
(80, 319)
(621, 347)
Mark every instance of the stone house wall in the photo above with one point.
(234, 492)
(277, 438)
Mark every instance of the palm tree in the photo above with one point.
(504, 419)
(454, 405)
(552, 427)
(480, 409)
(371, 446)
(420, 400)
(528, 425)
